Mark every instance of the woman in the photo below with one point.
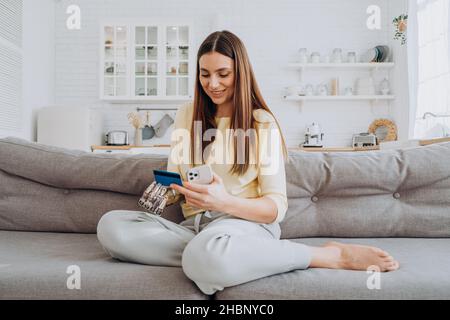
(231, 233)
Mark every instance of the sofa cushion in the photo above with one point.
(31, 206)
(423, 274)
(73, 169)
(386, 193)
(34, 265)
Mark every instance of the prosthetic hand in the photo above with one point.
(157, 197)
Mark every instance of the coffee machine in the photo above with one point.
(313, 136)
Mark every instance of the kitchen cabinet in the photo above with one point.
(143, 61)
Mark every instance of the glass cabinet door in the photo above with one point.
(177, 60)
(145, 61)
(115, 73)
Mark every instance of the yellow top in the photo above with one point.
(265, 177)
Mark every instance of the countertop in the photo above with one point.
(128, 147)
(307, 149)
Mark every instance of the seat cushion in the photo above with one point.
(34, 265)
(424, 274)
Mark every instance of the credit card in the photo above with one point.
(167, 177)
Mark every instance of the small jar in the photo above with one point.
(315, 57)
(337, 55)
(348, 91)
(384, 87)
(303, 55)
(309, 90)
(322, 90)
(351, 57)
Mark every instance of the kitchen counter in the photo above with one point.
(128, 147)
(382, 146)
(131, 149)
(436, 140)
(388, 145)
(334, 149)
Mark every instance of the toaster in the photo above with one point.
(364, 139)
(117, 138)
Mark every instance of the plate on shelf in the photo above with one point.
(384, 53)
(370, 55)
(376, 54)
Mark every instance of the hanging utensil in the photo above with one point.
(148, 131)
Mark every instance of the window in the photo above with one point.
(10, 65)
(432, 70)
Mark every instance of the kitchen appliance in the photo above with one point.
(70, 127)
(364, 139)
(313, 136)
(117, 138)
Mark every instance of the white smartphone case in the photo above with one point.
(201, 174)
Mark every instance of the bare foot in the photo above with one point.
(337, 255)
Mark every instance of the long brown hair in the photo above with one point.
(247, 96)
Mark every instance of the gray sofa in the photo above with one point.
(51, 200)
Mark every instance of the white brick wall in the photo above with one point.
(273, 31)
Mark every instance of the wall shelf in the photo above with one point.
(337, 98)
(373, 65)
(146, 100)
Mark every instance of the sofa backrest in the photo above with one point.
(386, 193)
(75, 169)
(45, 188)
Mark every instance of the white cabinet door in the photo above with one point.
(145, 61)
(114, 56)
(176, 59)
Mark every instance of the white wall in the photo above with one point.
(38, 61)
(273, 31)
(401, 113)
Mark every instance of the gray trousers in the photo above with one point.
(215, 249)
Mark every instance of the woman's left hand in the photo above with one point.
(211, 196)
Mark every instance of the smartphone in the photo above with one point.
(166, 177)
(202, 174)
